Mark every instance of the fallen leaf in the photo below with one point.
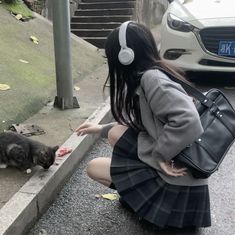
(34, 39)
(4, 87)
(18, 16)
(110, 196)
(24, 61)
(76, 88)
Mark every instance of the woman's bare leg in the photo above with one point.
(99, 168)
(115, 133)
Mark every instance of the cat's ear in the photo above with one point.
(55, 148)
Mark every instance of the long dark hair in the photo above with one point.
(125, 79)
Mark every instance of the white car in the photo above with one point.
(199, 35)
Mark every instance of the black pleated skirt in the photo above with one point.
(154, 200)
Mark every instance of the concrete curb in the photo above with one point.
(26, 206)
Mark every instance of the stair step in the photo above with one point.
(97, 41)
(77, 25)
(95, 19)
(91, 32)
(106, 5)
(102, 12)
(101, 18)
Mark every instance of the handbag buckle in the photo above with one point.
(215, 109)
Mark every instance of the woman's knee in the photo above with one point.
(99, 168)
(115, 133)
(91, 168)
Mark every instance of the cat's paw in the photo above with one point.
(3, 166)
(28, 171)
(42, 232)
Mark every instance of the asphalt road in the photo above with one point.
(77, 210)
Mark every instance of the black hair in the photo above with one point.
(125, 79)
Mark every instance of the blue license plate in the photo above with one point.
(226, 48)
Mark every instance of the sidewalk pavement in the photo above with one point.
(25, 197)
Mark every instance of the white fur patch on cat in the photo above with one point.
(43, 232)
(28, 171)
(3, 166)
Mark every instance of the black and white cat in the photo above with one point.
(24, 153)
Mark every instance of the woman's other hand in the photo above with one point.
(169, 169)
(88, 128)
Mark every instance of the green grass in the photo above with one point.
(32, 85)
(19, 8)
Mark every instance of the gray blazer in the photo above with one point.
(171, 123)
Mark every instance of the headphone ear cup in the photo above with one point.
(126, 56)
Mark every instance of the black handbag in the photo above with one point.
(217, 115)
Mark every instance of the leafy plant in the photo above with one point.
(17, 7)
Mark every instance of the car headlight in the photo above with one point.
(177, 24)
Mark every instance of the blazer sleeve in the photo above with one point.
(171, 105)
(105, 129)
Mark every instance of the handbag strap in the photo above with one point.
(189, 89)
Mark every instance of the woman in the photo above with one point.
(155, 120)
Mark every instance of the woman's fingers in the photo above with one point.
(81, 132)
(82, 129)
(88, 128)
(82, 126)
(172, 171)
(179, 170)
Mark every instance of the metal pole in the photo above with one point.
(61, 29)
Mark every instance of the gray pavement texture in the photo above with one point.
(77, 211)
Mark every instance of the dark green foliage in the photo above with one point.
(9, 1)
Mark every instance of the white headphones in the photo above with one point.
(126, 54)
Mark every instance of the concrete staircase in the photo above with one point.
(95, 19)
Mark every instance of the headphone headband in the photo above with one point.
(126, 54)
(122, 34)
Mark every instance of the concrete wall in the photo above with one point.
(150, 12)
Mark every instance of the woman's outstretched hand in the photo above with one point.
(169, 169)
(88, 128)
